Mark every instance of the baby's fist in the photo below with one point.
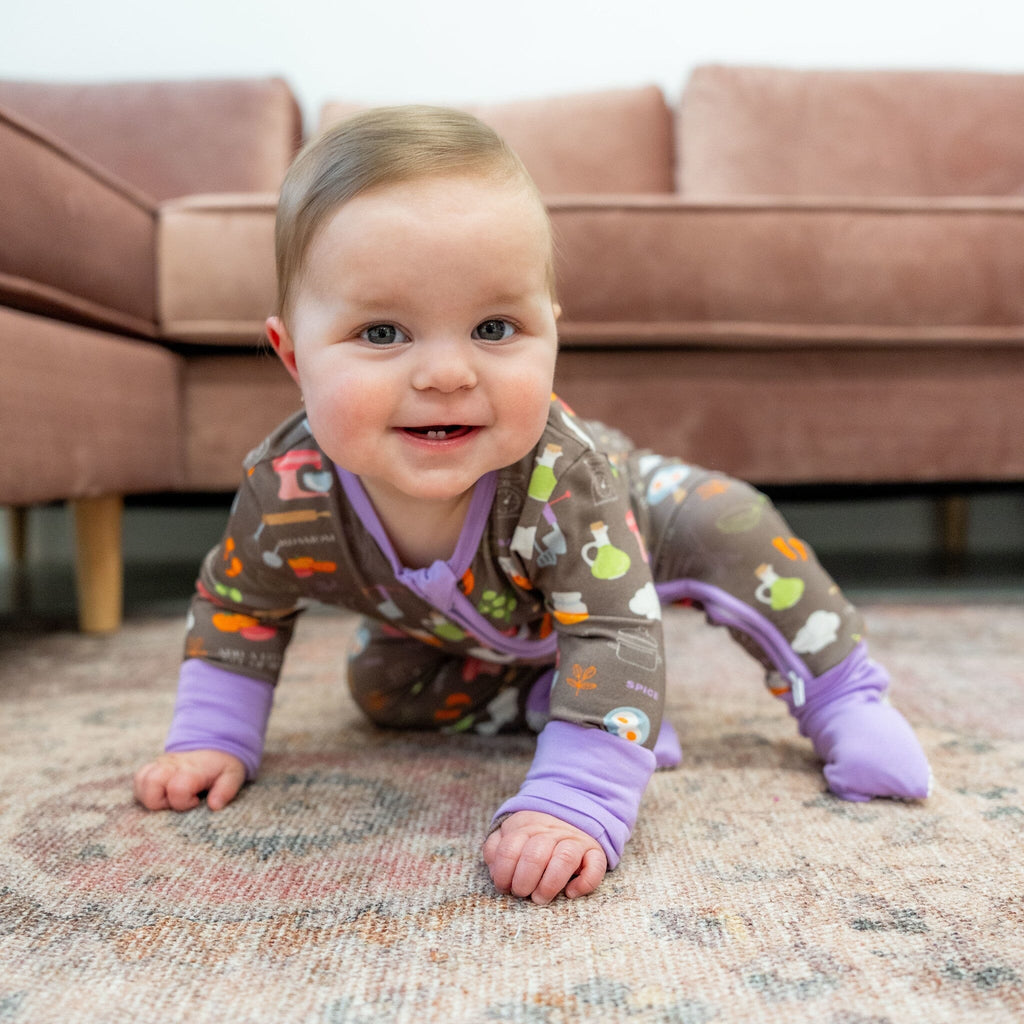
(538, 855)
(174, 781)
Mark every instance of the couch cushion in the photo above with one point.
(669, 271)
(172, 138)
(662, 271)
(83, 413)
(216, 268)
(772, 131)
(618, 140)
(814, 415)
(76, 242)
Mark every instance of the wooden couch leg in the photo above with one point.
(18, 596)
(17, 534)
(954, 512)
(99, 563)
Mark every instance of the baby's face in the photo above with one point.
(423, 335)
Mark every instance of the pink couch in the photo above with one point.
(801, 277)
(93, 403)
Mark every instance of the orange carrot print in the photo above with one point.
(244, 625)
(792, 547)
(306, 566)
(234, 566)
(455, 707)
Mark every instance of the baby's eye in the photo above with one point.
(384, 334)
(494, 330)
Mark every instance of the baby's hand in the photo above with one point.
(175, 780)
(537, 855)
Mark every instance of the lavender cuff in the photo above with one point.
(220, 710)
(588, 778)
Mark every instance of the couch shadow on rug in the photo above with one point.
(346, 886)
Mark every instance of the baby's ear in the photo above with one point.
(281, 340)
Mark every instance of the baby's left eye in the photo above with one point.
(494, 330)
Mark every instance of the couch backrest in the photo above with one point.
(172, 138)
(771, 131)
(614, 141)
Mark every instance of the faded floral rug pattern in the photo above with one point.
(346, 887)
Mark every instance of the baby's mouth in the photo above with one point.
(438, 432)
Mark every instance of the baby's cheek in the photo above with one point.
(340, 415)
(529, 399)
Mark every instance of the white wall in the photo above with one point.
(451, 50)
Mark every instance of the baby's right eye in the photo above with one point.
(384, 334)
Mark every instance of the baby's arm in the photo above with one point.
(215, 742)
(174, 781)
(573, 813)
(538, 855)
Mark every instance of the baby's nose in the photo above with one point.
(445, 366)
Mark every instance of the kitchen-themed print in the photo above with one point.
(563, 563)
(585, 547)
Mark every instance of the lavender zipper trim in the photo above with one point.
(438, 584)
(725, 610)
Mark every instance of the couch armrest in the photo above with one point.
(85, 413)
(77, 242)
(215, 268)
(172, 138)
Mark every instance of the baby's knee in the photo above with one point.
(716, 521)
(389, 675)
(722, 509)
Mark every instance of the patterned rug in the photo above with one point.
(346, 886)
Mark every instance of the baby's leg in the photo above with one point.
(718, 543)
(400, 682)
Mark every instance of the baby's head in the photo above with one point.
(378, 149)
(416, 308)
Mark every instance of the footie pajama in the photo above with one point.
(547, 615)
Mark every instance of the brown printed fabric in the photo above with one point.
(567, 546)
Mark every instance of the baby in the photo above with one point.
(511, 560)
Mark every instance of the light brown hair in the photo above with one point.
(380, 148)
